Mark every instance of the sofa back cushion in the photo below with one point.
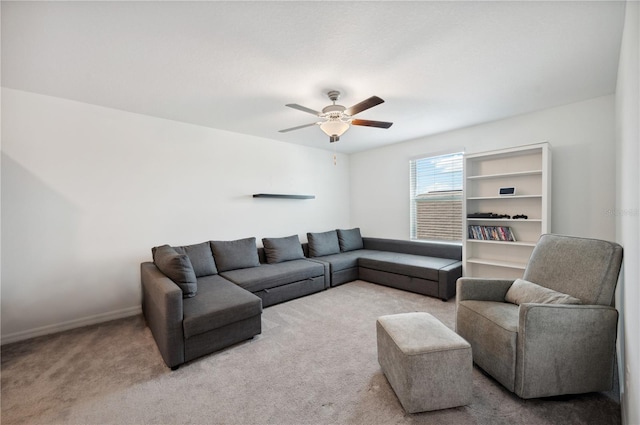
(325, 243)
(237, 254)
(176, 267)
(201, 258)
(277, 250)
(350, 240)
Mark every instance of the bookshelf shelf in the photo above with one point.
(500, 175)
(498, 263)
(503, 197)
(516, 243)
(527, 168)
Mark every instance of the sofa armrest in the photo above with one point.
(447, 278)
(162, 309)
(482, 289)
(568, 349)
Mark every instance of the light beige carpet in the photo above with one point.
(314, 363)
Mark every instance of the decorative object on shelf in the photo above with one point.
(507, 191)
(521, 216)
(491, 233)
(282, 196)
(488, 215)
(336, 119)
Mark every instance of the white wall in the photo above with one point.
(628, 212)
(87, 191)
(583, 168)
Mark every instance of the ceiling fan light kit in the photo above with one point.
(337, 118)
(334, 128)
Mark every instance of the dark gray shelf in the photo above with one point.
(282, 196)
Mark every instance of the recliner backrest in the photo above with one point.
(584, 268)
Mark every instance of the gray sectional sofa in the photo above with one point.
(201, 298)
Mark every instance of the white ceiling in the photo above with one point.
(234, 65)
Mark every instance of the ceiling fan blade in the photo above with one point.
(368, 123)
(297, 128)
(303, 109)
(364, 105)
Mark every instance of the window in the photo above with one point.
(436, 198)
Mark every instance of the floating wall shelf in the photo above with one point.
(282, 196)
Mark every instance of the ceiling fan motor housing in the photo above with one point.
(333, 110)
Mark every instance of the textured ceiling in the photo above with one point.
(234, 65)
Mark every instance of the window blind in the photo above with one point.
(436, 197)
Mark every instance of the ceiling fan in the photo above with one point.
(336, 119)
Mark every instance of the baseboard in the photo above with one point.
(71, 324)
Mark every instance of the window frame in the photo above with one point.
(455, 192)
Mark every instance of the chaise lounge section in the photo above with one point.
(184, 329)
(427, 268)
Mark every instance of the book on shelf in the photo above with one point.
(491, 233)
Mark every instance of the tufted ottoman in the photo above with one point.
(427, 364)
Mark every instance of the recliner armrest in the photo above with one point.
(482, 289)
(564, 348)
(162, 309)
(546, 318)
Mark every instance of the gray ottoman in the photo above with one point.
(428, 365)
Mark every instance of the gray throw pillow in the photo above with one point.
(177, 267)
(321, 244)
(278, 250)
(201, 258)
(350, 240)
(523, 291)
(238, 254)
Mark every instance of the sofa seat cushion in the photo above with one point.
(268, 276)
(345, 260)
(218, 303)
(406, 264)
(504, 315)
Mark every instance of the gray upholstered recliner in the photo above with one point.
(545, 349)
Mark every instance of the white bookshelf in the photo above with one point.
(528, 169)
